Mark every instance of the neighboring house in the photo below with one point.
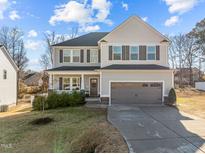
(126, 65)
(34, 79)
(186, 75)
(8, 79)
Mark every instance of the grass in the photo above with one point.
(191, 101)
(70, 127)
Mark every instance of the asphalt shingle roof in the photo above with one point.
(90, 39)
(75, 68)
(136, 67)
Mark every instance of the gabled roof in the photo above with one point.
(90, 39)
(6, 53)
(143, 22)
(135, 67)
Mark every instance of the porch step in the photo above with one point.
(92, 99)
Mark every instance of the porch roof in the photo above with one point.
(74, 68)
(136, 67)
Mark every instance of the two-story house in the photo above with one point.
(126, 65)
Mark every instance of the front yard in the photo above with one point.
(74, 129)
(191, 101)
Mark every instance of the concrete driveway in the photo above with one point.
(156, 129)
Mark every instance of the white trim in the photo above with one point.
(95, 50)
(73, 72)
(130, 58)
(71, 56)
(71, 83)
(113, 52)
(147, 52)
(8, 56)
(149, 81)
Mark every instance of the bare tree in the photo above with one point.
(177, 51)
(12, 39)
(44, 61)
(20, 56)
(74, 32)
(51, 39)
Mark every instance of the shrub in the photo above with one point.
(171, 97)
(55, 100)
(77, 98)
(38, 103)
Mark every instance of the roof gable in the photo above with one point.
(90, 39)
(134, 30)
(7, 55)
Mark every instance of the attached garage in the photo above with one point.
(136, 92)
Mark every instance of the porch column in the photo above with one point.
(50, 81)
(82, 82)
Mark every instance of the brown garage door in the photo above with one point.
(136, 93)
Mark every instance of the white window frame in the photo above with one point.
(71, 55)
(74, 50)
(148, 53)
(71, 83)
(113, 52)
(94, 51)
(131, 53)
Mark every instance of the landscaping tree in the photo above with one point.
(172, 97)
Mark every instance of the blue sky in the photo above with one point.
(36, 17)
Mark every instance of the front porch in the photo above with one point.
(70, 81)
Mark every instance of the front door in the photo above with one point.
(93, 87)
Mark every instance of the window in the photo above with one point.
(72, 83)
(4, 74)
(66, 84)
(93, 56)
(151, 52)
(76, 56)
(134, 53)
(67, 56)
(155, 85)
(75, 83)
(117, 52)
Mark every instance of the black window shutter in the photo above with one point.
(60, 83)
(99, 56)
(88, 56)
(82, 56)
(142, 53)
(110, 52)
(123, 52)
(157, 52)
(61, 56)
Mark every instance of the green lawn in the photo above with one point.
(75, 129)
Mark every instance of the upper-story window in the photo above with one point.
(117, 52)
(151, 53)
(76, 56)
(134, 52)
(4, 74)
(93, 56)
(71, 56)
(67, 56)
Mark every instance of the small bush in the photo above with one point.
(172, 97)
(76, 98)
(38, 103)
(55, 100)
(42, 121)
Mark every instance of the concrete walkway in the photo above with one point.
(157, 129)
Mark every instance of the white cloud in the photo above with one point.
(145, 18)
(3, 7)
(90, 28)
(171, 21)
(180, 6)
(32, 33)
(33, 45)
(84, 14)
(13, 15)
(125, 6)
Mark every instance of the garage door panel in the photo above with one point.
(137, 93)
